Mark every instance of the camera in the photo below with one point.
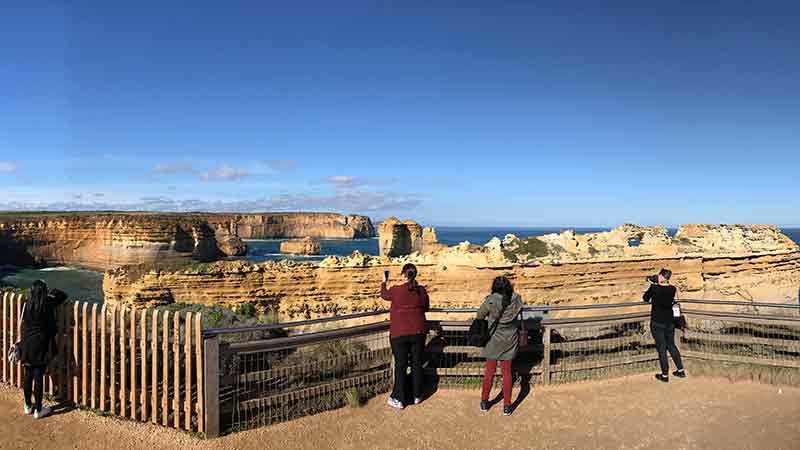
(652, 279)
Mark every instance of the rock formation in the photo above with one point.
(107, 240)
(566, 272)
(305, 246)
(398, 238)
(294, 225)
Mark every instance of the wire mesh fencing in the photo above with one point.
(289, 378)
(763, 340)
(592, 350)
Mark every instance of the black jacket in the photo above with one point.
(661, 298)
(39, 331)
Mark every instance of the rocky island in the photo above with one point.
(742, 262)
(305, 246)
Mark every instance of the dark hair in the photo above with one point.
(38, 298)
(501, 285)
(666, 273)
(410, 271)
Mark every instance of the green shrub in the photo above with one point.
(533, 247)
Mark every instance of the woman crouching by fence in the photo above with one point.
(38, 323)
(500, 308)
(406, 332)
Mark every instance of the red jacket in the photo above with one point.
(407, 312)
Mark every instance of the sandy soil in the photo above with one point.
(630, 413)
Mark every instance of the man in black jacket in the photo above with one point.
(661, 295)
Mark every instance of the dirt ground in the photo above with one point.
(629, 413)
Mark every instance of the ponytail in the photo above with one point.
(410, 272)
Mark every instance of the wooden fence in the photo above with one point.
(141, 364)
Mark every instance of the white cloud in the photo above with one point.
(223, 173)
(7, 167)
(350, 201)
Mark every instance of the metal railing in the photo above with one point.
(304, 368)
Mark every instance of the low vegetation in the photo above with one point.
(532, 247)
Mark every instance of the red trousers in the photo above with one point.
(488, 379)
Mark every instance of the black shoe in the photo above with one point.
(680, 373)
(662, 378)
(484, 406)
(507, 410)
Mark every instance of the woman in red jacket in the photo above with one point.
(406, 332)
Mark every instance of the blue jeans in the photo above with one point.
(664, 334)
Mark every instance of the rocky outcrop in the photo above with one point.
(294, 225)
(103, 241)
(398, 238)
(305, 246)
(461, 276)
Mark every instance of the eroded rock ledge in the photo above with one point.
(718, 262)
(106, 240)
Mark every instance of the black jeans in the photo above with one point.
(402, 347)
(664, 334)
(34, 381)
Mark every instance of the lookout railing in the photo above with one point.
(160, 366)
(306, 368)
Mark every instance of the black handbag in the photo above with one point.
(479, 332)
(678, 320)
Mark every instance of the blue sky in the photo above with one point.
(507, 113)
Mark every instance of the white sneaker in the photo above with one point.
(395, 403)
(27, 410)
(417, 401)
(38, 414)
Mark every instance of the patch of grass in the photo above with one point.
(533, 247)
(738, 372)
(354, 398)
(222, 317)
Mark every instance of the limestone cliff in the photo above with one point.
(460, 276)
(293, 225)
(396, 238)
(106, 240)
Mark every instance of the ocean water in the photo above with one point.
(78, 283)
(88, 284)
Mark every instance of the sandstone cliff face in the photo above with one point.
(103, 241)
(460, 276)
(294, 225)
(305, 246)
(396, 238)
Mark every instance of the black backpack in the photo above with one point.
(479, 332)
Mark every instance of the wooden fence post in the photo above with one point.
(211, 386)
(94, 367)
(165, 370)
(132, 397)
(198, 346)
(112, 362)
(103, 384)
(5, 336)
(187, 349)
(143, 341)
(546, 355)
(154, 367)
(176, 379)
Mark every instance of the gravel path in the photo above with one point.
(630, 413)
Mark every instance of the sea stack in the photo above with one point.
(305, 246)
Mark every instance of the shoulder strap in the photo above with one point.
(21, 315)
(497, 321)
